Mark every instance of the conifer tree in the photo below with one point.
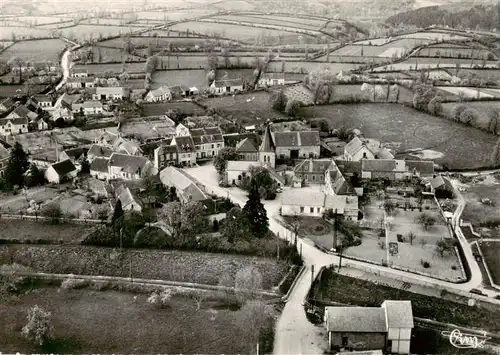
(256, 214)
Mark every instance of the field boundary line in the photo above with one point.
(483, 261)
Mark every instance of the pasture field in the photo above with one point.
(491, 251)
(314, 22)
(188, 78)
(138, 67)
(433, 63)
(42, 20)
(483, 74)
(244, 33)
(433, 74)
(176, 15)
(196, 267)
(11, 23)
(18, 32)
(159, 42)
(55, 26)
(38, 50)
(306, 67)
(84, 31)
(483, 109)
(237, 5)
(351, 59)
(105, 21)
(470, 92)
(108, 55)
(374, 41)
(265, 21)
(199, 61)
(456, 52)
(405, 128)
(96, 320)
(436, 36)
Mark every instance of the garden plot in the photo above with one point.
(38, 50)
(491, 251)
(300, 93)
(31, 230)
(470, 92)
(96, 320)
(9, 33)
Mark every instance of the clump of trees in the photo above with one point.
(261, 180)
(426, 99)
(426, 220)
(281, 103)
(322, 84)
(39, 326)
(223, 156)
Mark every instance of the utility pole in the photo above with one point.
(341, 252)
(335, 225)
(278, 247)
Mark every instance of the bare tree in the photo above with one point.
(411, 237)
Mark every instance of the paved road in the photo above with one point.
(294, 334)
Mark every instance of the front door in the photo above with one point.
(294, 154)
(228, 89)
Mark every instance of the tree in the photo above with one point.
(235, 225)
(411, 237)
(435, 106)
(212, 62)
(248, 283)
(16, 166)
(184, 219)
(117, 218)
(422, 96)
(445, 245)
(85, 166)
(469, 115)
(53, 212)
(278, 100)
(35, 176)
(222, 157)
(426, 220)
(17, 63)
(256, 214)
(210, 76)
(389, 207)
(292, 108)
(457, 112)
(495, 154)
(38, 327)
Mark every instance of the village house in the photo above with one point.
(76, 155)
(129, 167)
(187, 188)
(186, 151)
(23, 112)
(238, 171)
(383, 169)
(312, 171)
(247, 150)
(7, 105)
(335, 145)
(336, 183)
(80, 83)
(421, 168)
(178, 91)
(301, 202)
(297, 144)
(182, 131)
(41, 125)
(109, 93)
(165, 155)
(42, 101)
(99, 168)
(98, 151)
(130, 201)
(359, 148)
(207, 141)
(4, 160)
(271, 79)
(61, 171)
(159, 95)
(387, 327)
(13, 126)
(222, 87)
(79, 73)
(88, 108)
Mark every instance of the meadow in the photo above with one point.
(176, 15)
(159, 42)
(11, 32)
(482, 108)
(114, 68)
(236, 5)
(37, 50)
(109, 55)
(405, 128)
(456, 52)
(282, 22)
(188, 78)
(306, 67)
(436, 36)
(491, 250)
(81, 32)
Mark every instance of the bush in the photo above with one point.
(161, 298)
(425, 264)
(74, 284)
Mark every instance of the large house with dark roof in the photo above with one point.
(165, 155)
(313, 171)
(387, 327)
(186, 151)
(247, 150)
(129, 167)
(99, 168)
(393, 169)
(297, 144)
(207, 141)
(61, 171)
(7, 104)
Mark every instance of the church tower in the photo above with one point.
(267, 149)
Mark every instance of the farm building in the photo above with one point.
(99, 168)
(42, 101)
(295, 145)
(159, 95)
(313, 171)
(385, 328)
(76, 155)
(271, 79)
(12, 126)
(187, 188)
(383, 169)
(41, 125)
(110, 93)
(186, 151)
(247, 150)
(222, 87)
(88, 108)
(6, 105)
(129, 167)
(61, 171)
(79, 73)
(238, 171)
(360, 148)
(99, 151)
(130, 202)
(165, 155)
(80, 83)
(23, 112)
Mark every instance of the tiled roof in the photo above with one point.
(114, 90)
(42, 98)
(185, 144)
(76, 153)
(189, 187)
(300, 197)
(16, 121)
(64, 167)
(399, 314)
(22, 111)
(81, 80)
(128, 163)
(267, 144)
(339, 183)
(297, 139)
(92, 104)
(228, 82)
(424, 167)
(161, 91)
(206, 135)
(126, 196)
(100, 165)
(8, 103)
(314, 166)
(356, 319)
(245, 146)
(378, 165)
(239, 165)
(353, 146)
(437, 182)
(100, 151)
(194, 193)
(383, 153)
(348, 168)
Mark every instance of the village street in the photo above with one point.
(294, 333)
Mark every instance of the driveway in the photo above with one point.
(294, 333)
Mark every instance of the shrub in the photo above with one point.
(38, 327)
(54, 213)
(161, 298)
(425, 264)
(73, 284)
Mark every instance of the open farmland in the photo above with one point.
(176, 15)
(55, 26)
(482, 74)
(90, 321)
(436, 36)
(203, 268)
(306, 67)
(81, 32)
(491, 251)
(268, 21)
(113, 68)
(244, 33)
(433, 63)
(405, 128)
(101, 54)
(236, 5)
(314, 22)
(33, 51)
(188, 78)
(159, 42)
(470, 92)
(375, 41)
(106, 21)
(9, 33)
(455, 52)
(41, 20)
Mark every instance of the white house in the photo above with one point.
(129, 167)
(43, 101)
(159, 95)
(358, 149)
(181, 130)
(383, 169)
(88, 108)
(237, 171)
(109, 93)
(80, 83)
(61, 171)
(12, 126)
(187, 188)
(99, 168)
(186, 151)
(271, 79)
(207, 141)
(221, 87)
(79, 73)
(41, 125)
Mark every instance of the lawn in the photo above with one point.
(39, 50)
(28, 230)
(343, 289)
(89, 321)
(491, 251)
(483, 217)
(11, 32)
(196, 267)
(405, 128)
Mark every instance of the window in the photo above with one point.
(311, 209)
(345, 341)
(218, 145)
(314, 177)
(364, 155)
(189, 155)
(318, 209)
(301, 209)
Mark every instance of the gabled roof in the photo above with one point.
(206, 135)
(97, 150)
(107, 90)
(8, 103)
(100, 165)
(64, 167)
(42, 98)
(81, 80)
(267, 144)
(245, 146)
(381, 165)
(353, 146)
(240, 165)
(437, 182)
(194, 193)
(297, 139)
(126, 196)
(301, 197)
(185, 144)
(184, 183)
(384, 153)
(22, 111)
(15, 121)
(161, 91)
(92, 104)
(356, 319)
(339, 183)
(348, 168)
(76, 153)
(128, 163)
(80, 70)
(399, 314)
(4, 152)
(273, 76)
(314, 166)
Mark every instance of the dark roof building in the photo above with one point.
(297, 139)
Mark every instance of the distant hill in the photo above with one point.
(485, 17)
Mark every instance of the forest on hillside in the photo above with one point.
(477, 17)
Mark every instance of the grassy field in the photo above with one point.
(11, 90)
(483, 108)
(282, 21)
(28, 230)
(81, 32)
(433, 63)
(95, 69)
(41, 20)
(12, 32)
(406, 128)
(237, 5)
(39, 50)
(314, 22)
(484, 74)
(188, 78)
(470, 92)
(455, 52)
(435, 36)
(160, 42)
(104, 21)
(243, 33)
(179, 15)
(88, 321)
(204, 268)
(347, 290)
(109, 55)
(491, 251)
(306, 67)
